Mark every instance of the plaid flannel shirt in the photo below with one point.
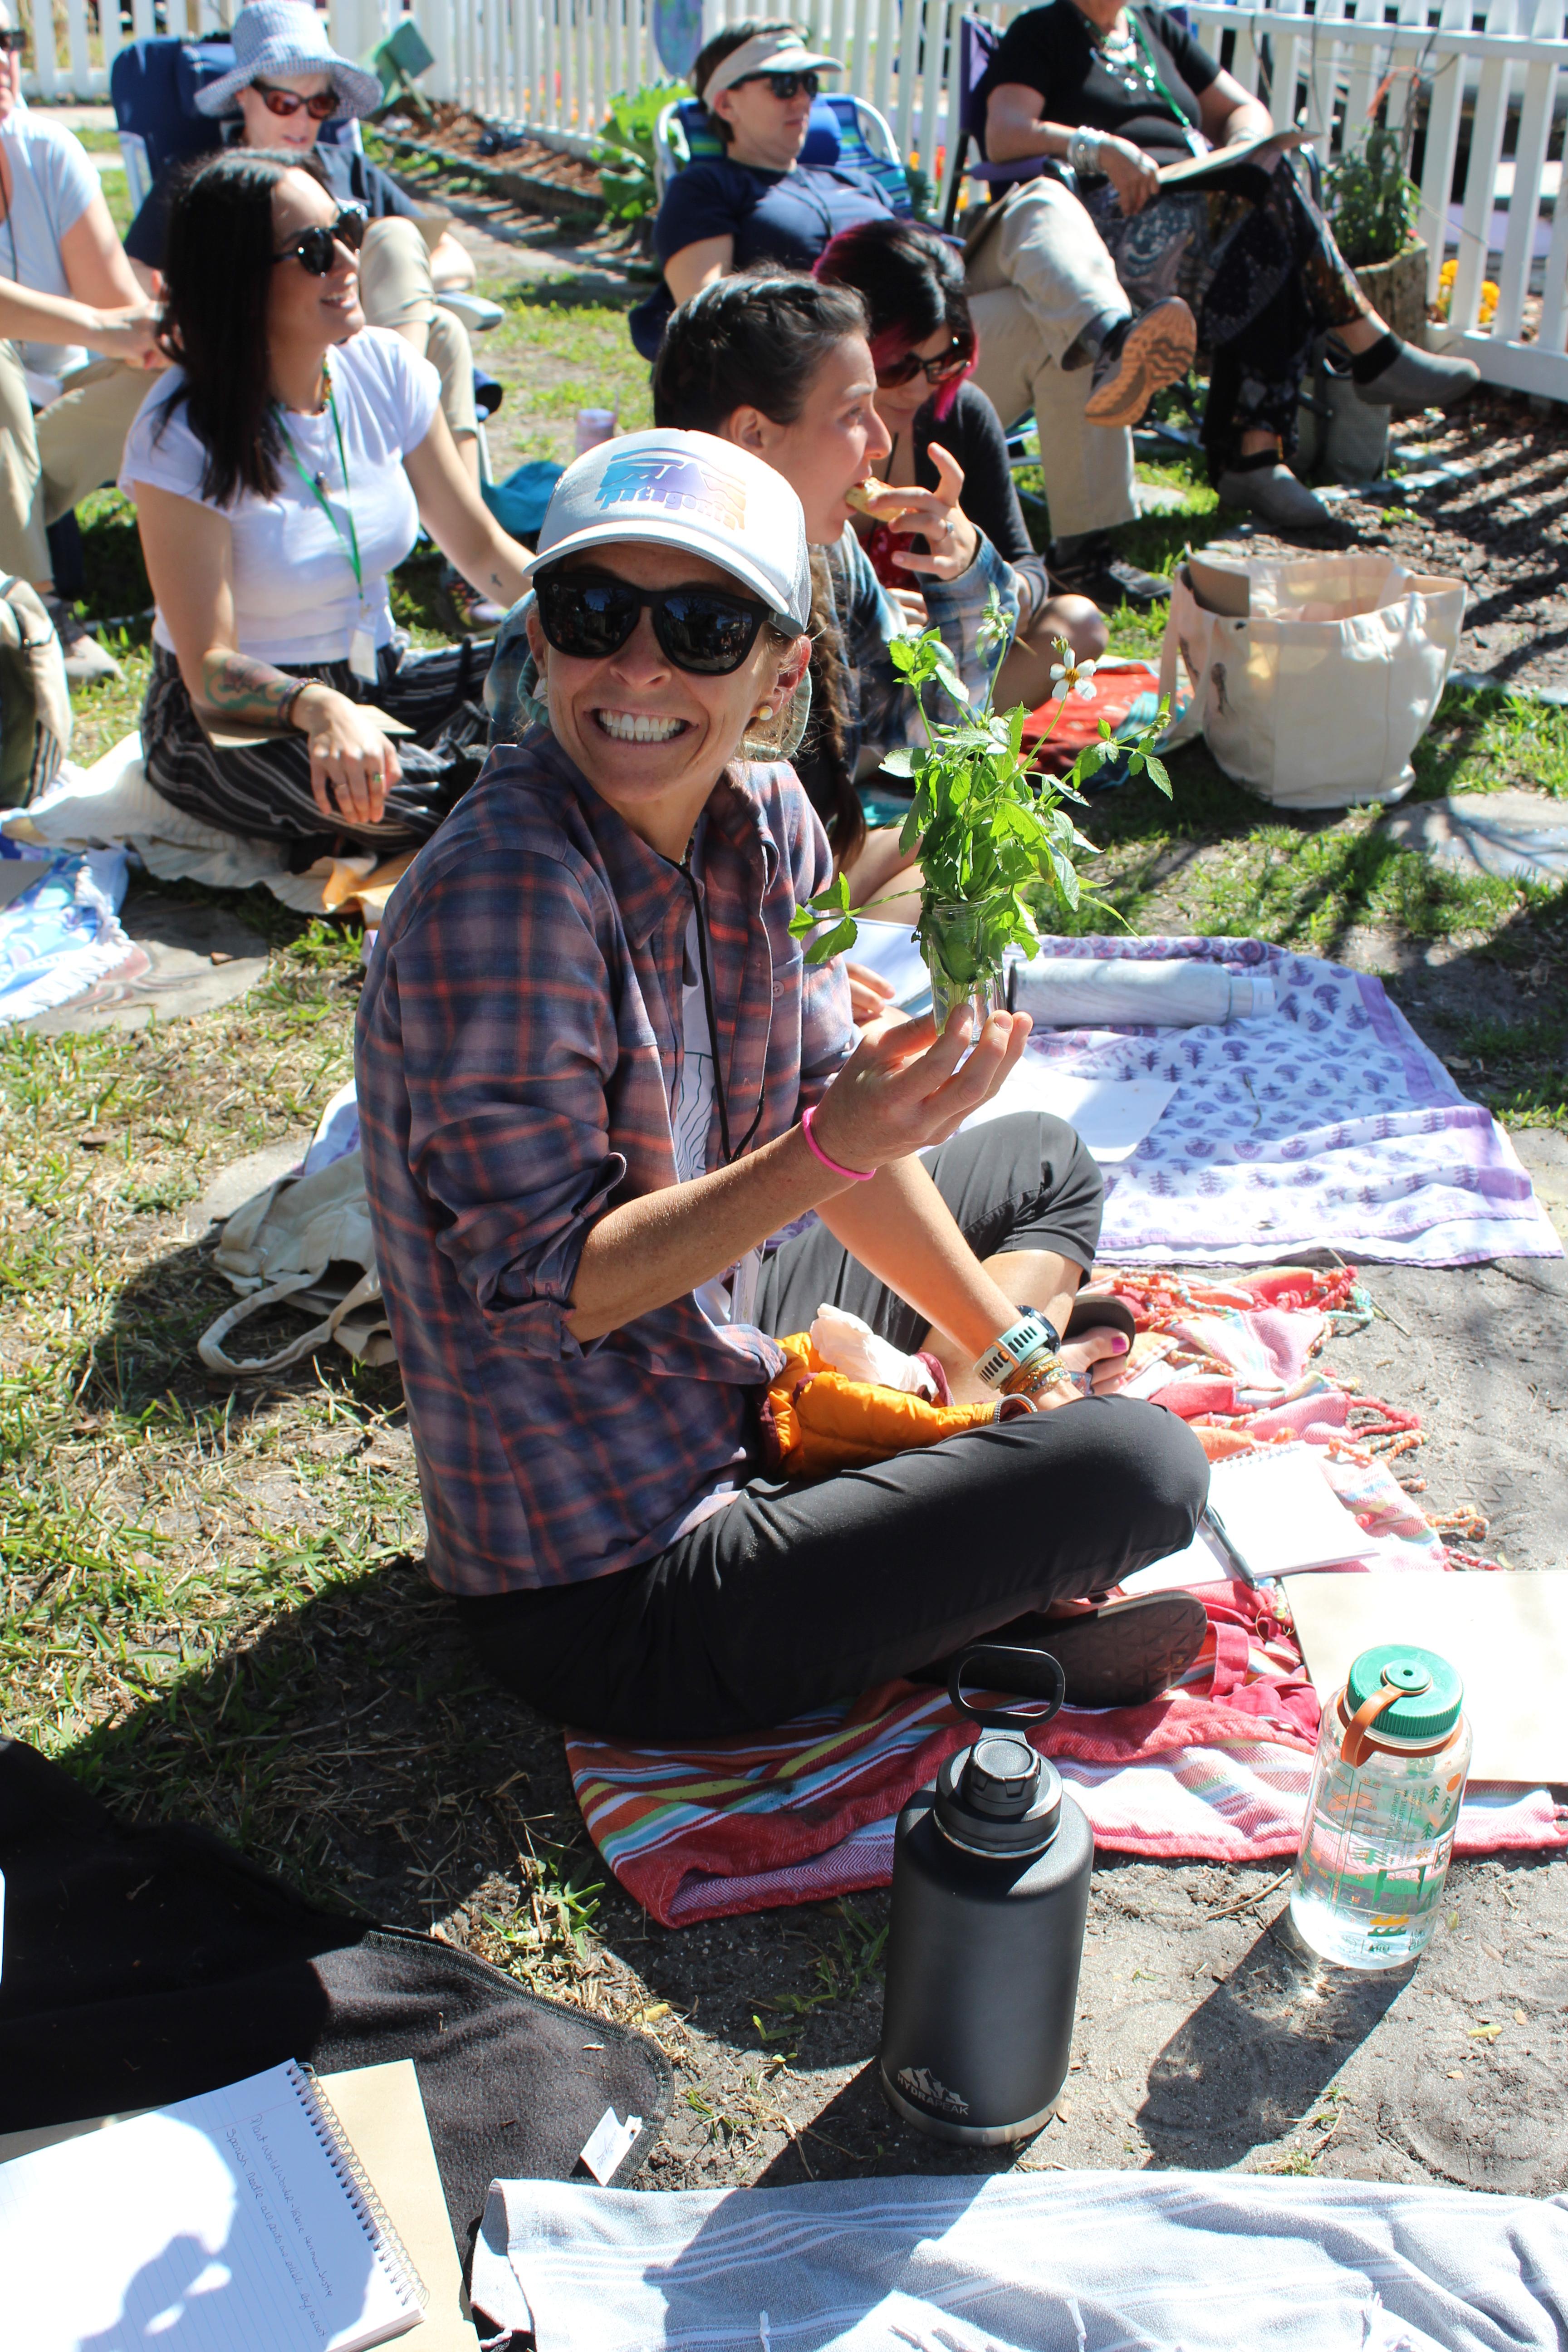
(881, 712)
(517, 1051)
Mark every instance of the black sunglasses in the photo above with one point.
(589, 615)
(784, 86)
(316, 249)
(13, 39)
(958, 355)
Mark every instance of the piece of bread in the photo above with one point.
(863, 495)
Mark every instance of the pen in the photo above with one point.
(1212, 1519)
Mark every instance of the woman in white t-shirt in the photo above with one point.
(281, 471)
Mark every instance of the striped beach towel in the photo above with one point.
(1216, 1772)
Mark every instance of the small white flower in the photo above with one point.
(1072, 678)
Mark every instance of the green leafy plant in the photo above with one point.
(1373, 200)
(988, 825)
(627, 177)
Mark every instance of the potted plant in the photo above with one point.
(1373, 209)
(987, 824)
(628, 176)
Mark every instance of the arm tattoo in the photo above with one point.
(244, 689)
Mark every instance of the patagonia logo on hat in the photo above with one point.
(682, 484)
(690, 490)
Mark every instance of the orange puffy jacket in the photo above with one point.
(817, 1420)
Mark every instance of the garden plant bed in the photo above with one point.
(540, 177)
(213, 1600)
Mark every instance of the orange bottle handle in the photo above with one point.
(1354, 1748)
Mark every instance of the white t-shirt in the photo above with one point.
(52, 183)
(294, 593)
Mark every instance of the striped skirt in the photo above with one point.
(264, 789)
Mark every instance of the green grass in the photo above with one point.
(212, 1600)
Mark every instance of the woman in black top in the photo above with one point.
(1118, 92)
(923, 346)
(757, 202)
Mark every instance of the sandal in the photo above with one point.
(1123, 1654)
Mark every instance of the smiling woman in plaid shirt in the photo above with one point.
(597, 1084)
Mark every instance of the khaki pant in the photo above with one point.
(397, 291)
(50, 462)
(1038, 275)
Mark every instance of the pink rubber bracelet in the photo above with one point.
(855, 1175)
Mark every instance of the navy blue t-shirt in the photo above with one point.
(785, 216)
(352, 177)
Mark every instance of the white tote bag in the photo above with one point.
(308, 1239)
(1312, 678)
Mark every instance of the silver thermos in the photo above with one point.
(991, 1871)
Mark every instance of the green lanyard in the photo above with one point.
(1141, 38)
(349, 543)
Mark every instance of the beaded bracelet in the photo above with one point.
(834, 1167)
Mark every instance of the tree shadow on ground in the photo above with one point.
(1254, 2059)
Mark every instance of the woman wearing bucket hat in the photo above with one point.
(277, 97)
(281, 472)
(757, 202)
(601, 1095)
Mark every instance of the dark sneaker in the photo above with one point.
(1120, 1655)
(1139, 359)
(1275, 496)
(1414, 379)
(1090, 567)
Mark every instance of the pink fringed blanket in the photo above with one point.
(1215, 1771)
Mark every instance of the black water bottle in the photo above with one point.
(991, 1871)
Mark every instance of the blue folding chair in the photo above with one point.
(978, 42)
(843, 129)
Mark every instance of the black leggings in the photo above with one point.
(796, 1595)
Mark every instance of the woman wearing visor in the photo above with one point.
(757, 202)
(279, 473)
(600, 1093)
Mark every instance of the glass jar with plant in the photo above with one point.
(988, 824)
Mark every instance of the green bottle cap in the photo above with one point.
(1431, 1693)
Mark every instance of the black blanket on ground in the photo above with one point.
(147, 1965)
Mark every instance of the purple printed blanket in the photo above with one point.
(1327, 1125)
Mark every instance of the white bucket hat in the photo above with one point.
(690, 490)
(272, 37)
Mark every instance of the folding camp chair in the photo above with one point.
(977, 44)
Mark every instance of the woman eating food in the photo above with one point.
(923, 348)
(281, 472)
(599, 1091)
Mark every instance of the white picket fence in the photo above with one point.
(557, 63)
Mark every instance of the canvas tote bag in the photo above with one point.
(1312, 678)
(306, 1238)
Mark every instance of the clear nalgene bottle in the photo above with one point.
(1389, 1773)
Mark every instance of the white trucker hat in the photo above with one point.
(767, 53)
(690, 490)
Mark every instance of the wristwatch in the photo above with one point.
(1027, 1344)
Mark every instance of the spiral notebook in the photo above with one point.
(228, 2222)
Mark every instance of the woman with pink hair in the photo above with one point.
(924, 348)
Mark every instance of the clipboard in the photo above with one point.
(1193, 168)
